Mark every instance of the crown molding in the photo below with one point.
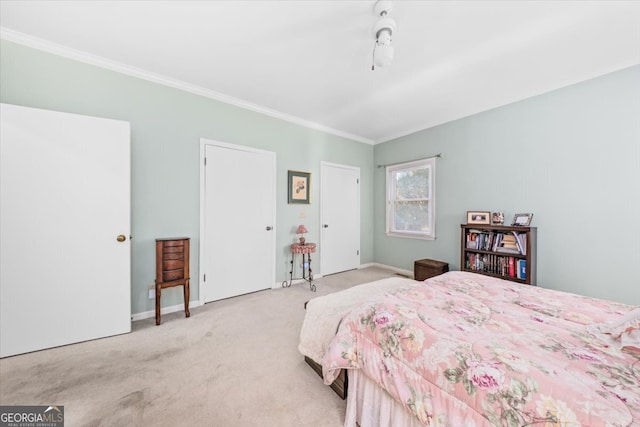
(87, 58)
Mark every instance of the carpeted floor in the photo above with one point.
(232, 363)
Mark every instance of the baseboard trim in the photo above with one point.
(180, 307)
(396, 270)
(400, 271)
(164, 310)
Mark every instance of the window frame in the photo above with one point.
(390, 171)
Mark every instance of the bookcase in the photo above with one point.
(500, 251)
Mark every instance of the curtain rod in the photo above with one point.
(439, 155)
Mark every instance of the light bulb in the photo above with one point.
(384, 55)
(384, 50)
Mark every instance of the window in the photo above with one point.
(411, 199)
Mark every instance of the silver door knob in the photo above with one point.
(269, 228)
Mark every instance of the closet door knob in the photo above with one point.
(121, 238)
(269, 228)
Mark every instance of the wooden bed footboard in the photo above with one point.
(341, 383)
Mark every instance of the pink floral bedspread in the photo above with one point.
(469, 350)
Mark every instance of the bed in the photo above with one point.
(324, 314)
(463, 349)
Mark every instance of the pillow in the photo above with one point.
(629, 321)
(631, 339)
(626, 329)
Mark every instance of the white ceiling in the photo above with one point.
(310, 61)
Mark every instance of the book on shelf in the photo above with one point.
(497, 241)
(521, 241)
(472, 240)
(480, 240)
(506, 266)
(508, 243)
(489, 241)
(522, 269)
(508, 251)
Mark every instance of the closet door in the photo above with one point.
(65, 224)
(238, 218)
(340, 217)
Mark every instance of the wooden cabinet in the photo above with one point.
(172, 269)
(500, 251)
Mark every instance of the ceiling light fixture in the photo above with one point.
(383, 30)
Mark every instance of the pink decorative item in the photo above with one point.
(301, 230)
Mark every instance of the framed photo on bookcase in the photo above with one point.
(522, 219)
(478, 217)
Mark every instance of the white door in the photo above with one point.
(65, 199)
(238, 218)
(340, 218)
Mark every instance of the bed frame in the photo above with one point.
(423, 269)
(340, 385)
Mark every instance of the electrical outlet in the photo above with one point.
(152, 291)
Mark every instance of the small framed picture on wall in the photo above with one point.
(299, 184)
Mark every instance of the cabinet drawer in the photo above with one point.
(169, 243)
(173, 249)
(170, 275)
(174, 264)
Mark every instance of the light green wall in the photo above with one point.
(571, 156)
(166, 127)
